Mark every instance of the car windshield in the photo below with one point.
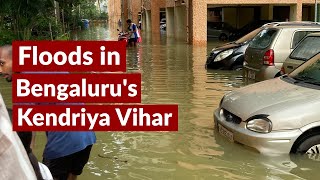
(311, 74)
(248, 37)
(307, 48)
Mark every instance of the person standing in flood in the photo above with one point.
(133, 34)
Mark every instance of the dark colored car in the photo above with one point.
(248, 28)
(220, 30)
(230, 56)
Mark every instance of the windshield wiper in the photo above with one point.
(299, 58)
(306, 79)
(303, 78)
(314, 83)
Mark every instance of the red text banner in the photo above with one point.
(95, 118)
(77, 88)
(71, 56)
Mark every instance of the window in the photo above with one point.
(263, 39)
(307, 48)
(298, 36)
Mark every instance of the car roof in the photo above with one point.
(293, 24)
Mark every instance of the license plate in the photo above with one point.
(251, 75)
(226, 133)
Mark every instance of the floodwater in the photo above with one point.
(174, 73)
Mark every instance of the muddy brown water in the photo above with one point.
(174, 73)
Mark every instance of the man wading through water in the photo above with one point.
(66, 153)
(134, 35)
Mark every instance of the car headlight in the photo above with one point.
(223, 55)
(259, 124)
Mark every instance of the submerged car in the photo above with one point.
(279, 115)
(306, 49)
(266, 53)
(230, 56)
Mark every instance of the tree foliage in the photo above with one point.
(33, 19)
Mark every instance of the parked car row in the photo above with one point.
(279, 114)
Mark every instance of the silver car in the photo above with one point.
(306, 49)
(279, 115)
(270, 48)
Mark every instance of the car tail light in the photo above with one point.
(268, 58)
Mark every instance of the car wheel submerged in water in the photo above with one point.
(237, 67)
(308, 145)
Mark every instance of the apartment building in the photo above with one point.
(187, 19)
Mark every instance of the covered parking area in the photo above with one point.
(238, 16)
(242, 14)
(187, 20)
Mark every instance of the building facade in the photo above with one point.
(186, 20)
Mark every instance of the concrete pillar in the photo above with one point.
(125, 10)
(144, 20)
(180, 23)
(170, 21)
(155, 17)
(267, 12)
(296, 12)
(198, 22)
(148, 21)
(114, 10)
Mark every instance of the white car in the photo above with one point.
(275, 116)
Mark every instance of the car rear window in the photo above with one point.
(308, 48)
(263, 39)
(248, 37)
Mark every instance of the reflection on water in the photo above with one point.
(174, 73)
